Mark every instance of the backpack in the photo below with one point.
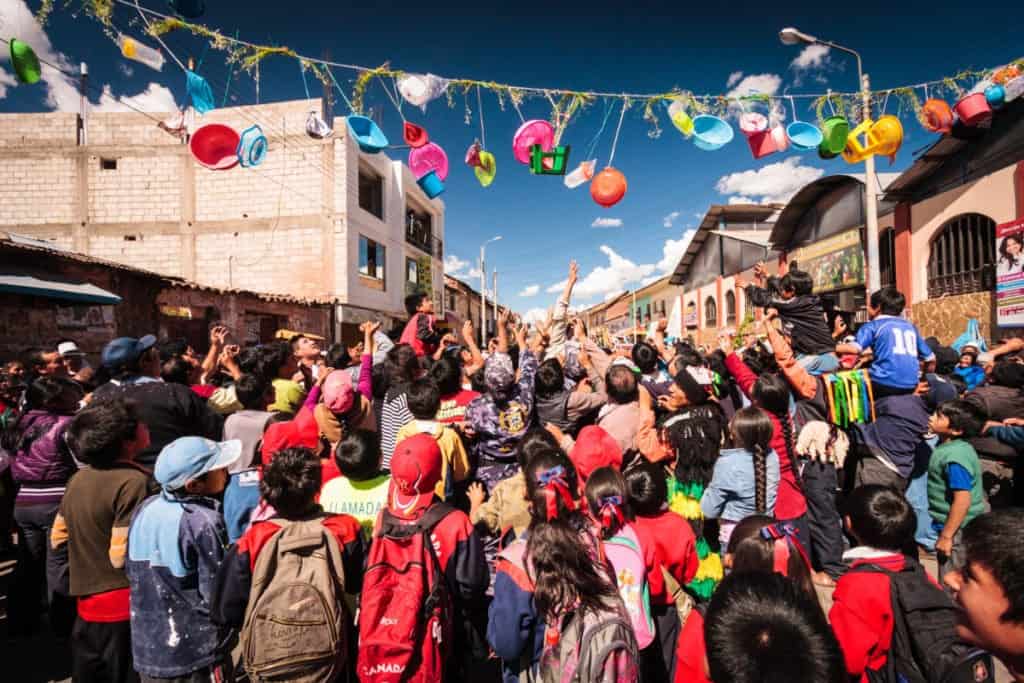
(405, 614)
(296, 622)
(626, 557)
(591, 647)
(924, 646)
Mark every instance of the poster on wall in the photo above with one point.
(1010, 274)
(834, 263)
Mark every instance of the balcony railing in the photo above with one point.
(424, 241)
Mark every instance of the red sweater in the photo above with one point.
(691, 651)
(675, 544)
(652, 560)
(790, 502)
(861, 615)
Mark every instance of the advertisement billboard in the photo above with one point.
(1010, 274)
(834, 263)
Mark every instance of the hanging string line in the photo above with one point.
(600, 131)
(480, 110)
(615, 142)
(528, 89)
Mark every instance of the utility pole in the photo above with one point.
(83, 103)
(483, 301)
(327, 103)
(495, 295)
(871, 200)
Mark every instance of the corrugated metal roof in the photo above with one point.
(18, 242)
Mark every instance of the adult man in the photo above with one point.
(306, 350)
(169, 411)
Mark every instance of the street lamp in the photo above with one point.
(792, 36)
(483, 294)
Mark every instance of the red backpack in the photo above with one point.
(405, 614)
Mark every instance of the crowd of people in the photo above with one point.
(411, 507)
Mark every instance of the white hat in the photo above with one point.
(66, 349)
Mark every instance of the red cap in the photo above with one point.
(301, 431)
(415, 471)
(595, 448)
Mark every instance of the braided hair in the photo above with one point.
(771, 394)
(752, 431)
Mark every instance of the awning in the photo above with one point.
(66, 290)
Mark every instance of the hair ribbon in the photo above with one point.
(784, 536)
(553, 482)
(611, 509)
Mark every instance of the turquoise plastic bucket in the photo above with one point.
(804, 136)
(431, 184)
(711, 133)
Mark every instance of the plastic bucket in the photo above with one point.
(215, 146)
(581, 174)
(936, 116)
(431, 184)
(533, 132)
(414, 136)
(1014, 88)
(804, 136)
(752, 123)
(473, 155)
(487, 169)
(973, 109)
(252, 147)
(762, 144)
(834, 133)
(780, 138)
(25, 62)
(680, 119)
(368, 135)
(711, 133)
(995, 95)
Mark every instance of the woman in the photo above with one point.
(1011, 259)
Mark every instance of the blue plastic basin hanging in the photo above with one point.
(252, 147)
(199, 91)
(368, 135)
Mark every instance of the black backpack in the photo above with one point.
(925, 648)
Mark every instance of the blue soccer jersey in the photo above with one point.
(897, 347)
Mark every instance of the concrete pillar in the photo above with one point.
(80, 222)
(188, 215)
(903, 261)
(720, 302)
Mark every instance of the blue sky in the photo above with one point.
(635, 46)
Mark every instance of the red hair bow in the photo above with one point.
(553, 482)
(784, 536)
(611, 510)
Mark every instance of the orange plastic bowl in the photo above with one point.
(608, 187)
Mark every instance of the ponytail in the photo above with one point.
(559, 560)
(760, 480)
(752, 430)
(608, 500)
(771, 393)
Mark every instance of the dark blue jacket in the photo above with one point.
(514, 629)
(175, 547)
(898, 431)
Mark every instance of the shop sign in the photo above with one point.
(1010, 274)
(176, 312)
(834, 263)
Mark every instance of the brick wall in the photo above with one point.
(946, 317)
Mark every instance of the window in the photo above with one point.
(963, 249)
(730, 308)
(371, 192)
(371, 259)
(647, 315)
(412, 271)
(452, 301)
(710, 312)
(419, 230)
(108, 164)
(887, 258)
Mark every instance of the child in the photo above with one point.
(242, 494)
(882, 523)
(362, 490)
(507, 505)
(290, 484)
(989, 588)
(802, 316)
(676, 546)
(93, 523)
(175, 546)
(955, 493)
(423, 399)
(895, 343)
(549, 576)
(761, 627)
(419, 332)
(968, 368)
(454, 397)
(415, 537)
(746, 478)
(629, 550)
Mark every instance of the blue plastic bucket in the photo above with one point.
(431, 184)
(804, 136)
(711, 133)
(368, 135)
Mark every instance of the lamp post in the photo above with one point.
(483, 294)
(792, 36)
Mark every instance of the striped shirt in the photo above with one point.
(32, 493)
(394, 415)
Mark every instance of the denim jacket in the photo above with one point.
(175, 547)
(731, 493)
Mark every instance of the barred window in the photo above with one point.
(887, 258)
(730, 308)
(963, 248)
(710, 312)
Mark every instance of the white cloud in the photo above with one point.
(6, 80)
(669, 220)
(125, 70)
(611, 295)
(535, 315)
(62, 89)
(672, 251)
(606, 223)
(734, 78)
(530, 290)
(773, 183)
(648, 280)
(602, 280)
(741, 199)
(811, 57)
(456, 267)
(758, 84)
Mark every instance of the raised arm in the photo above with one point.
(218, 336)
(802, 381)
(503, 331)
(469, 339)
(743, 375)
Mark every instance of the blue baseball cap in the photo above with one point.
(190, 457)
(124, 350)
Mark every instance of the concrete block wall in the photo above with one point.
(147, 250)
(37, 189)
(142, 189)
